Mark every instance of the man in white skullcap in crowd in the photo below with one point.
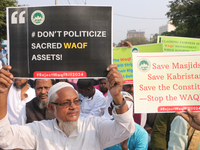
(67, 130)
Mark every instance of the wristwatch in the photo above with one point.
(122, 104)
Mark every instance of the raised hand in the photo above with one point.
(5, 79)
(5, 83)
(114, 80)
(193, 118)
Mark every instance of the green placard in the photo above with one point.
(179, 44)
(122, 56)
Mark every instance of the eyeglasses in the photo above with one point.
(68, 103)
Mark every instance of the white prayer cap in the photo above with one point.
(57, 87)
(127, 95)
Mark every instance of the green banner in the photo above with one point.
(122, 56)
(179, 44)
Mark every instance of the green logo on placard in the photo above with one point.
(144, 65)
(134, 50)
(37, 17)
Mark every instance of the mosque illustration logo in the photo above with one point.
(144, 65)
(37, 17)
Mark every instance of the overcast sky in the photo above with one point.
(139, 15)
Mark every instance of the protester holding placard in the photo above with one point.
(68, 130)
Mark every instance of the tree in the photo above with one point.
(136, 41)
(3, 5)
(185, 15)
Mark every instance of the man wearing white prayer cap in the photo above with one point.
(67, 130)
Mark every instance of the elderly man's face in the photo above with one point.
(70, 113)
(42, 87)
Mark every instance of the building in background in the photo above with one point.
(166, 28)
(134, 33)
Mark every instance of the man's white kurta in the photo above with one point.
(93, 106)
(92, 133)
(15, 104)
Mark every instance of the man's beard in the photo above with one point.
(43, 104)
(104, 90)
(20, 86)
(66, 126)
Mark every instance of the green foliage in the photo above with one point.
(3, 5)
(136, 41)
(185, 15)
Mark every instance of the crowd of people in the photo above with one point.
(86, 114)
